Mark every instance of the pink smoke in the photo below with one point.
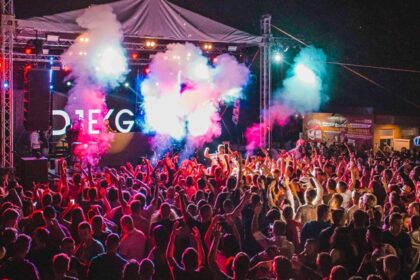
(279, 115)
(97, 62)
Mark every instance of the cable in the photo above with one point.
(375, 67)
(352, 70)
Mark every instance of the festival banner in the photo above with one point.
(327, 127)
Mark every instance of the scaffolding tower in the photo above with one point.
(7, 26)
(265, 82)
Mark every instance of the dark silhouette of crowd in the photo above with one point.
(316, 212)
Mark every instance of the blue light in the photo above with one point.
(51, 87)
(6, 84)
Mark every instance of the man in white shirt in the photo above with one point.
(133, 241)
(342, 189)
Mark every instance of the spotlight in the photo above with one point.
(68, 83)
(134, 55)
(207, 46)
(51, 87)
(305, 74)
(126, 84)
(84, 39)
(150, 44)
(277, 57)
(147, 70)
(28, 50)
(6, 84)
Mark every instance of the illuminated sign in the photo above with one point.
(121, 122)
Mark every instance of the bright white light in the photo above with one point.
(111, 64)
(68, 83)
(126, 84)
(278, 57)
(305, 74)
(201, 120)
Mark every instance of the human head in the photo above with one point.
(97, 223)
(311, 246)
(310, 195)
(126, 223)
(279, 228)
(61, 264)
(415, 223)
(374, 236)
(338, 217)
(190, 259)
(395, 223)
(68, 246)
(206, 213)
(147, 269)
(282, 267)
(323, 212)
(131, 270)
(324, 264)
(288, 213)
(85, 231)
(336, 201)
(240, 265)
(165, 211)
(21, 246)
(391, 265)
(339, 272)
(112, 243)
(341, 187)
(359, 218)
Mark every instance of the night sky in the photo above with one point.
(380, 33)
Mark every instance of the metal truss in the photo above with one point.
(7, 29)
(265, 82)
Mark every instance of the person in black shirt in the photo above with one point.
(61, 265)
(192, 259)
(18, 267)
(108, 265)
(399, 240)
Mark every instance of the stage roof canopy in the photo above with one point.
(157, 19)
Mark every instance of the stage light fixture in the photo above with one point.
(134, 55)
(68, 83)
(150, 44)
(207, 46)
(28, 50)
(126, 84)
(278, 57)
(84, 39)
(51, 87)
(6, 84)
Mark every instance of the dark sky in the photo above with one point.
(370, 32)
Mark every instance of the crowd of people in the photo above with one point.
(316, 212)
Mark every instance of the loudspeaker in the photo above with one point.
(37, 107)
(33, 169)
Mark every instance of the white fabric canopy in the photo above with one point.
(158, 19)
